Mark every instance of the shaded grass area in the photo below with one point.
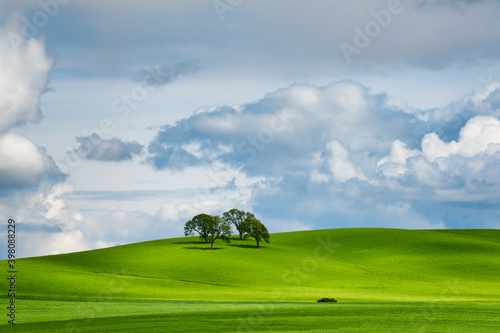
(186, 316)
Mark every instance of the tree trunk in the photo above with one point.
(241, 235)
(258, 243)
(212, 247)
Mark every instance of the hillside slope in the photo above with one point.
(351, 265)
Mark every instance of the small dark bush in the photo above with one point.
(327, 300)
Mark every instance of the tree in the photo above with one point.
(254, 228)
(210, 228)
(237, 218)
(198, 224)
(218, 228)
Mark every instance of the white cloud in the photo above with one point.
(340, 166)
(24, 68)
(395, 164)
(45, 243)
(481, 135)
(49, 225)
(24, 71)
(64, 242)
(341, 143)
(43, 206)
(22, 163)
(287, 129)
(402, 215)
(276, 225)
(30, 182)
(318, 177)
(426, 173)
(78, 217)
(101, 244)
(171, 213)
(441, 164)
(55, 204)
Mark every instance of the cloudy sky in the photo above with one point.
(120, 120)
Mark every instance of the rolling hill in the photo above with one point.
(385, 280)
(352, 265)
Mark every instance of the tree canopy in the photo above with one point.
(198, 224)
(254, 228)
(237, 218)
(212, 227)
(209, 227)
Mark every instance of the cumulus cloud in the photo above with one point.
(41, 206)
(22, 163)
(24, 69)
(287, 129)
(54, 204)
(31, 185)
(341, 151)
(395, 163)
(481, 135)
(338, 162)
(50, 226)
(93, 147)
(77, 231)
(24, 66)
(465, 170)
(447, 121)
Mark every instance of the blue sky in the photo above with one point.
(121, 120)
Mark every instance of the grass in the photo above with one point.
(197, 316)
(384, 279)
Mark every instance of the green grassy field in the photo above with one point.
(385, 280)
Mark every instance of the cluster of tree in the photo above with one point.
(212, 227)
